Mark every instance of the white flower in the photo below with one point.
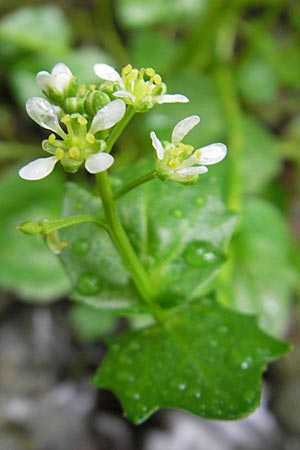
(69, 151)
(57, 82)
(181, 162)
(140, 88)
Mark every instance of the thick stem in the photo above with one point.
(121, 241)
(133, 184)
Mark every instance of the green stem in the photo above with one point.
(51, 225)
(235, 135)
(121, 241)
(133, 184)
(117, 130)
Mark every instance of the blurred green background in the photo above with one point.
(237, 61)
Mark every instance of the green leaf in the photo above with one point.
(257, 80)
(38, 28)
(94, 266)
(90, 324)
(179, 232)
(263, 277)
(261, 161)
(149, 48)
(28, 268)
(136, 14)
(203, 358)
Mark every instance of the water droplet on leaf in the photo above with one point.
(202, 254)
(89, 284)
(81, 246)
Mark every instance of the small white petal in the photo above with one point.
(38, 169)
(157, 145)
(98, 162)
(124, 94)
(183, 128)
(61, 68)
(45, 114)
(44, 80)
(106, 72)
(212, 154)
(108, 116)
(197, 170)
(172, 98)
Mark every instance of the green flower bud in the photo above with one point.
(95, 101)
(74, 105)
(29, 227)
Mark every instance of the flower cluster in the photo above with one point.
(181, 162)
(140, 88)
(81, 118)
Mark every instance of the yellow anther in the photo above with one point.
(74, 152)
(90, 138)
(92, 87)
(59, 153)
(132, 76)
(157, 79)
(66, 119)
(52, 138)
(82, 89)
(81, 120)
(127, 69)
(197, 154)
(185, 147)
(150, 72)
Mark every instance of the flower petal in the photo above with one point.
(197, 170)
(106, 72)
(184, 127)
(108, 116)
(172, 98)
(124, 94)
(212, 154)
(45, 114)
(44, 80)
(160, 151)
(38, 169)
(98, 162)
(60, 68)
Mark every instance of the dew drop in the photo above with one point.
(197, 394)
(246, 363)
(81, 247)
(182, 387)
(201, 254)
(89, 284)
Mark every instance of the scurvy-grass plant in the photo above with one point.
(150, 246)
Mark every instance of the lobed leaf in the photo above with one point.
(203, 358)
